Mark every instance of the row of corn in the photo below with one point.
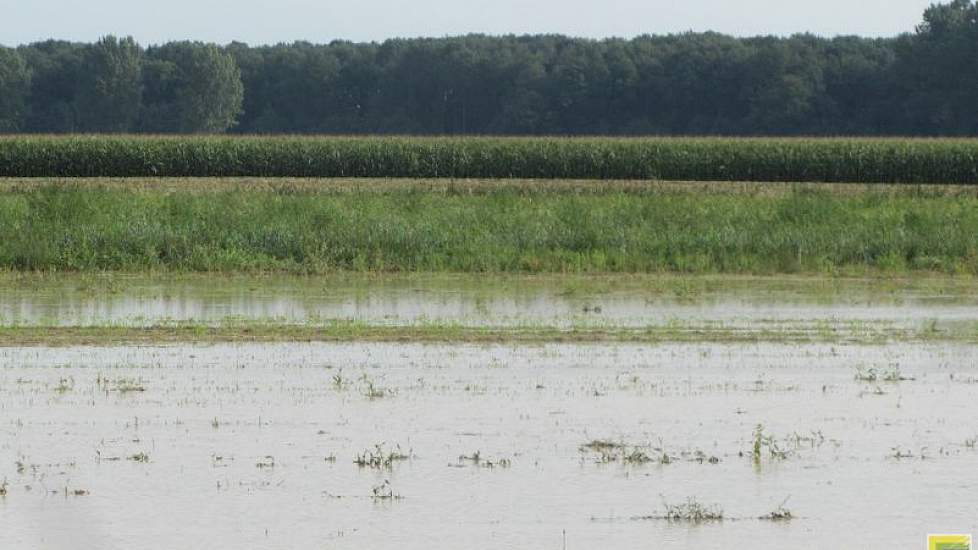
(857, 160)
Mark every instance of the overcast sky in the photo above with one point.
(262, 22)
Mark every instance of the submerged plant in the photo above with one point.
(780, 513)
(379, 458)
(65, 385)
(384, 491)
(477, 459)
(780, 449)
(692, 511)
(890, 374)
(339, 383)
(372, 391)
(129, 385)
(599, 445)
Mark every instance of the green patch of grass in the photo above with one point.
(94, 229)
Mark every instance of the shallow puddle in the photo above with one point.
(251, 446)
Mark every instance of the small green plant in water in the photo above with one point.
(65, 385)
(128, 385)
(378, 458)
(384, 491)
(780, 513)
(692, 511)
(339, 384)
(372, 391)
(890, 374)
(477, 459)
(761, 441)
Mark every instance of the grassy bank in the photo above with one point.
(686, 159)
(504, 229)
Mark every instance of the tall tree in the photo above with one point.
(938, 67)
(15, 85)
(110, 92)
(690, 83)
(56, 69)
(191, 87)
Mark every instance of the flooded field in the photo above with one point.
(500, 302)
(459, 445)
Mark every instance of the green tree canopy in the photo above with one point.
(15, 83)
(191, 88)
(920, 83)
(110, 92)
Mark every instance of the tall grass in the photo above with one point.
(701, 159)
(84, 229)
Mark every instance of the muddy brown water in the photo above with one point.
(254, 446)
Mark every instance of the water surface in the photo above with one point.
(254, 445)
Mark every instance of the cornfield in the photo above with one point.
(953, 161)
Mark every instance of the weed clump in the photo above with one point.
(477, 459)
(384, 491)
(379, 458)
(873, 375)
(691, 511)
(779, 514)
(139, 457)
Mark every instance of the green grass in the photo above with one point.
(507, 230)
(688, 159)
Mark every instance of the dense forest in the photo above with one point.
(920, 83)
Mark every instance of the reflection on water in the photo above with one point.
(624, 302)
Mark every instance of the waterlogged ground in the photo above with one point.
(409, 445)
(614, 302)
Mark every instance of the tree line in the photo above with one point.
(919, 83)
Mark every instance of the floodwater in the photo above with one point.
(255, 445)
(619, 302)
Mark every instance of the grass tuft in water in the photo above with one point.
(691, 511)
(380, 458)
